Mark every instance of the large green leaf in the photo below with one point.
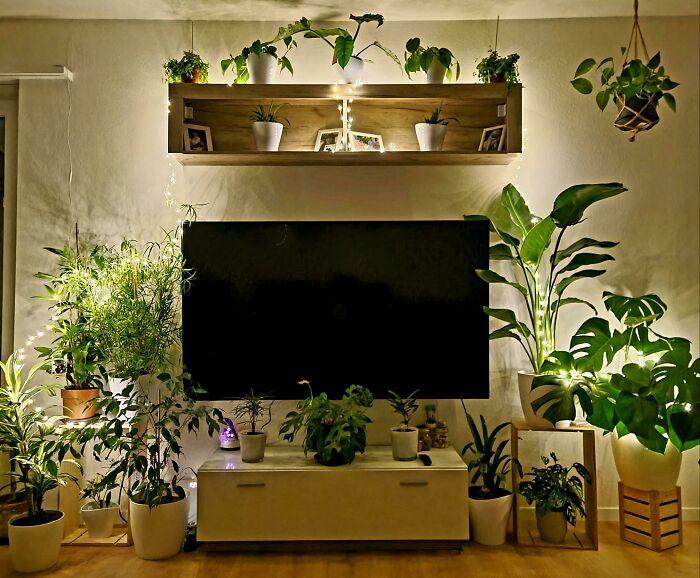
(603, 397)
(676, 369)
(378, 18)
(583, 259)
(637, 413)
(633, 379)
(509, 317)
(500, 252)
(536, 242)
(583, 243)
(571, 301)
(571, 204)
(583, 85)
(493, 277)
(517, 209)
(344, 46)
(634, 310)
(593, 344)
(684, 426)
(586, 66)
(555, 394)
(586, 273)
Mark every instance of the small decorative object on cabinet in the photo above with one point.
(404, 439)
(434, 62)
(329, 140)
(100, 513)
(250, 411)
(228, 437)
(525, 246)
(525, 522)
(267, 128)
(190, 69)
(365, 142)
(197, 138)
(493, 138)
(650, 518)
(431, 132)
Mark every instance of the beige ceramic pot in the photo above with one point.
(35, 548)
(158, 532)
(80, 403)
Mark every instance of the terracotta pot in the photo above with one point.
(158, 532)
(497, 79)
(79, 403)
(551, 526)
(643, 469)
(404, 444)
(11, 506)
(488, 519)
(194, 79)
(253, 446)
(35, 548)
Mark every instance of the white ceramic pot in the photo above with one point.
(563, 424)
(404, 444)
(261, 68)
(526, 398)
(488, 519)
(99, 521)
(267, 135)
(35, 548)
(643, 469)
(252, 446)
(158, 532)
(430, 136)
(352, 72)
(436, 72)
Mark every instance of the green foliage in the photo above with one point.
(524, 241)
(637, 79)
(404, 407)
(495, 68)
(251, 408)
(334, 431)
(176, 69)
(418, 58)
(435, 117)
(99, 489)
(261, 114)
(554, 489)
(489, 462)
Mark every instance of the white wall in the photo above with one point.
(118, 135)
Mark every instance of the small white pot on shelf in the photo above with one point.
(267, 135)
(253, 446)
(430, 136)
(352, 72)
(404, 444)
(261, 68)
(436, 72)
(99, 521)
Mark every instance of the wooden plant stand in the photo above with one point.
(651, 519)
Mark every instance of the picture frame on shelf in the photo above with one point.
(365, 142)
(329, 140)
(197, 138)
(493, 138)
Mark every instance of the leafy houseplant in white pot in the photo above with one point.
(542, 276)
(250, 410)
(404, 439)
(431, 132)
(435, 62)
(100, 512)
(490, 503)
(267, 128)
(557, 495)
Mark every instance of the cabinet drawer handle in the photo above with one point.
(414, 483)
(251, 484)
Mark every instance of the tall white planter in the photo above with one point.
(267, 135)
(99, 521)
(261, 68)
(436, 72)
(526, 398)
(404, 444)
(352, 72)
(158, 532)
(488, 519)
(643, 469)
(35, 548)
(252, 446)
(430, 136)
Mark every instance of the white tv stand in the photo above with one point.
(289, 501)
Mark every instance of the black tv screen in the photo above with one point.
(387, 305)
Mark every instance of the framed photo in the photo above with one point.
(365, 142)
(329, 140)
(493, 138)
(197, 138)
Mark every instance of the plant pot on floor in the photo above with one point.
(11, 506)
(526, 399)
(551, 526)
(35, 547)
(430, 136)
(261, 68)
(488, 518)
(99, 521)
(643, 469)
(404, 444)
(252, 446)
(79, 403)
(194, 79)
(352, 72)
(158, 532)
(436, 72)
(267, 135)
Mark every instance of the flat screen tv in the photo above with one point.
(387, 305)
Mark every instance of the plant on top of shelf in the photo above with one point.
(268, 127)
(495, 68)
(250, 410)
(404, 407)
(189, 69)
(334, 431)
(404, 439)
(437, 118)
(435, 62)
(431, 132)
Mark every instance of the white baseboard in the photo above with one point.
(610, 514)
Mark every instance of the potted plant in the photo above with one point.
(543, 275)
(250, 410)
(346, 58)
(189, 69)
(635, 383)
(334, 431)
(404, 439)
(431, 132)
(100, 512)
(433, 61)
(557, 495)
(36, 449)
(267, 128)
(636, 90)
(494, 68)
(489, 503)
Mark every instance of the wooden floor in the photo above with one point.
(614, 559)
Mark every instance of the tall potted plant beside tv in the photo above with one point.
(541, 277)
(250, 410)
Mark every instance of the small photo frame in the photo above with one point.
(329, 140)
(197, 138)
(493, 138)
(365, 142)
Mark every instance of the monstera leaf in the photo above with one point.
(684, 426)
(593, 344)
(634, 310)
(676, 369)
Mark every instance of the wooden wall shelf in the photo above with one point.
(391, 110)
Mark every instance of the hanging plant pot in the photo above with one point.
(194, 79)
(635, 114)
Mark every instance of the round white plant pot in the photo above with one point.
(352, 72)
(267, 135)
(436, 72)
(253, 446)
(35, 548)
(99, 521)
(430, 136)
(261, 68)
(643, 469)
(158, 532)
(404, 444)
(488, 519)
(526, 399)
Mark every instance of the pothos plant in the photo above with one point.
(542, 276)
(404, 407)
(418, 58)
(190, 68)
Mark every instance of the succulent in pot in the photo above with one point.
(249, 411)
(435, 62)
(190, 69)
(100, 511)
(404, 439)
(431, 132)
(268, 127)
(494, 68)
